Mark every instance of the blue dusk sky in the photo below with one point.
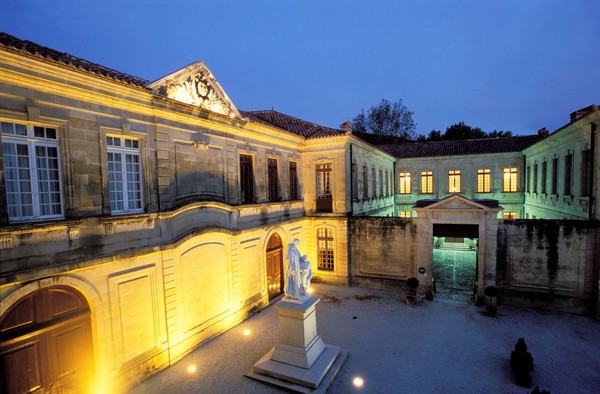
(516, 65)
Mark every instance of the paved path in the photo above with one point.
(441, 346)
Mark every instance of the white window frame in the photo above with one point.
(41, 190)
(125, 147)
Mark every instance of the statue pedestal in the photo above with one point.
(300, 362)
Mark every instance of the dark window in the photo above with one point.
(324, 197)
(325, 249)
(293, 181)
(586, 172)
(374, 182)
(246, 180)
(568, 174)
(555, 176)
(365, 183)
(272, 180)
(535, 178)
(528, 180)
(354, 183)
(544, 178)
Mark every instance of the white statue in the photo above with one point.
(306, 272)
(298, 273)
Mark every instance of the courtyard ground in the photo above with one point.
(440, 346)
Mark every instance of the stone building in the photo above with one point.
(562, 170)
(139, 219)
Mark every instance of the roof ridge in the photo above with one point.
(65, 58)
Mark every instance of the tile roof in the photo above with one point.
(461, 148)
(291, 124)
(52, 55)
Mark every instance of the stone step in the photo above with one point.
(455, 246)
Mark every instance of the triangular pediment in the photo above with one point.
(196, 85)
(457, 202)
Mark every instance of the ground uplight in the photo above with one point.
(358, 382)
(247, 332)
(191, 368)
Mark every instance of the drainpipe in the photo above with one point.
(348, 234)
(593, 199)
(351, 183)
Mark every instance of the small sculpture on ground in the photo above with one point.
(521, 362)
(298, 273)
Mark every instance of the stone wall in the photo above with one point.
(538, 263)
(549, 264)
(381, 252)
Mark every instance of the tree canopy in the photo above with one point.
(462, 131)
(386, 118)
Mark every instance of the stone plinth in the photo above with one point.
(300, 361)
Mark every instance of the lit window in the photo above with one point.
(484, 177)
(325, 249)
(427, 182)
(405, 186)
(510, 215)
(405, 214)
(31, 172)
(454, 181)
(124, 175)
(510, 180)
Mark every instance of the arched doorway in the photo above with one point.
(46, 343)
(274, 266)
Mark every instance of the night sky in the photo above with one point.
(503, 65)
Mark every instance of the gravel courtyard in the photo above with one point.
(440, 346)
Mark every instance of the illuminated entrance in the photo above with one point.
(47, 343)
(469, 230)
(274, 266)
(454, 259)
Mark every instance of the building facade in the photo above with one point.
(139, 219)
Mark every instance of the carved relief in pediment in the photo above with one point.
(198, 90)
(197, 86)
(456, 204)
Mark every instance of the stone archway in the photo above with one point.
(47, 343)
(274, 261)
(459, 212)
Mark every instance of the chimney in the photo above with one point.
(346, 126)
(543, 132)
(580, 113)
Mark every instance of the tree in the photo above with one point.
(389, 119)
(462, 131)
